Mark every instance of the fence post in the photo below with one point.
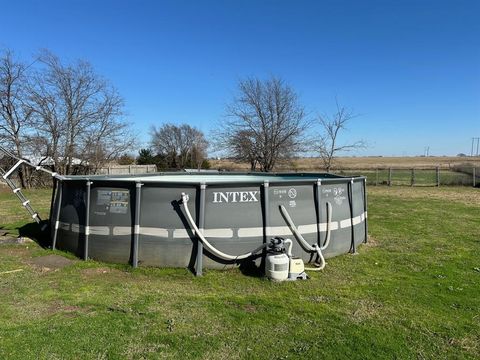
(376, 177)
(412, 181)
(473, 172)
(389, 176)
(437, 172)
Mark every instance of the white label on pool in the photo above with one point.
(235, 196)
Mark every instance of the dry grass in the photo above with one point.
(364, 163)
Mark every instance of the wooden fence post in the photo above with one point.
(376, 177)
(473, 172)
(412, 180)
(437, 172)
(389, 176)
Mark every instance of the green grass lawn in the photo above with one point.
(412, 292)
(13, 216)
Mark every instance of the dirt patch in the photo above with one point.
(468, 343)
(371, 241)
(50, 262)
(249, 308)
(366, 309)
(56, 308)
(17, 251)
(318, 299)
(5, 239)
(96, 271)
(8, 240)
(68, 310)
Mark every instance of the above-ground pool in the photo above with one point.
(142, 220)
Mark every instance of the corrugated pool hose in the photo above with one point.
(304, 244)
(209, 246)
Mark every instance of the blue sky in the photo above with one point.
(410, 68)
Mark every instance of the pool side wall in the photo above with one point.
(237, 218)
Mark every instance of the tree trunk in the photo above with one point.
(23, 176)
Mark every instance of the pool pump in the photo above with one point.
(280, 265)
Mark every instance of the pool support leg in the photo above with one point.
(353, 249)
(319, 211)
(136, 226)
(365, 209)
(52, 200)
(201, 225)
(266, 220)
(266, 214)
(87, 220)
(57, 214)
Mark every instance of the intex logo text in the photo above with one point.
(235, 196)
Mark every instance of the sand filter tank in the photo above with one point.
(276, 261)
(280, 265)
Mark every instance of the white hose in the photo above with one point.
(289, 244)
(329, 226)
(205, 242)
(304, 244)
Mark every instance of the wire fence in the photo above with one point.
(465, 176)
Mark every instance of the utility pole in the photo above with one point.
(472, 152)
(426, 151)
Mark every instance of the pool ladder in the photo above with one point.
(17, 190)
(25, 202)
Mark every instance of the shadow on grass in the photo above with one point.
(34, 231)
(250, 268)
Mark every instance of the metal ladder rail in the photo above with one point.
(25, 162)
(25, 202)
(17, 190)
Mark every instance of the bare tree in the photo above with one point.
(332, 127)
(265, 123)
(242, 146)
(104, 141)
(183, 146)
(79, 112)
(47, 116)
(14, 114)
